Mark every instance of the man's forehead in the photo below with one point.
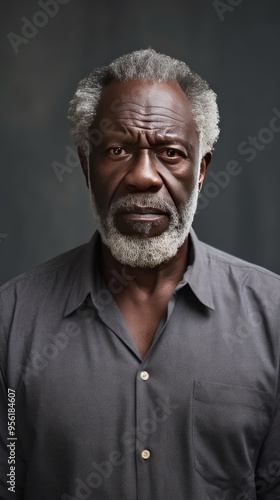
(153, 95)
(144, 105)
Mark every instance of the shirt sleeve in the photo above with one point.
(268, 466)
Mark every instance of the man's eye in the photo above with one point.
(172, 153)
(118, 151)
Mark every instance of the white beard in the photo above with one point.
(143, 251)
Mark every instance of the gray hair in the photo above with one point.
(149, 65)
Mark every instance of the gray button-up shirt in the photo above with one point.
(196, 419)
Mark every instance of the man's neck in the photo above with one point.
(148, 280)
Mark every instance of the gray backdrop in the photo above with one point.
(234, 44)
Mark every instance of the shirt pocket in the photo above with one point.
(229, 425)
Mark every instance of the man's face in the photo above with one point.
(144, 174)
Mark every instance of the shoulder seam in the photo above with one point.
(28, 274)
(244, 264)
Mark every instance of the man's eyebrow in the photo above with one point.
(166, 139)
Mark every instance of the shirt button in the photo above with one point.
(145, 454)
(144, 375)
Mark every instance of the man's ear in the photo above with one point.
(84, 159)
(205, 162)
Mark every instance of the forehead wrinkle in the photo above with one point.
(151, 117)
(158, 129)
(154, 111)
(150, 111)
(148, 122)
(149, 106)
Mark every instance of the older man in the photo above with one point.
(144, 365)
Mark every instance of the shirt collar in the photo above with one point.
(86, 279)
(197, 274)
(83, 276)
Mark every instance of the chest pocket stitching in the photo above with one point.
(230, 397)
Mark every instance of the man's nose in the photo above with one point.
(143, 174)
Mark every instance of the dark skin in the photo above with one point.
(152, 147)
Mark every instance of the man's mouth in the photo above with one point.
(142, 213)
(142, 220)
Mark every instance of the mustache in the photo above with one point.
(131, 201)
